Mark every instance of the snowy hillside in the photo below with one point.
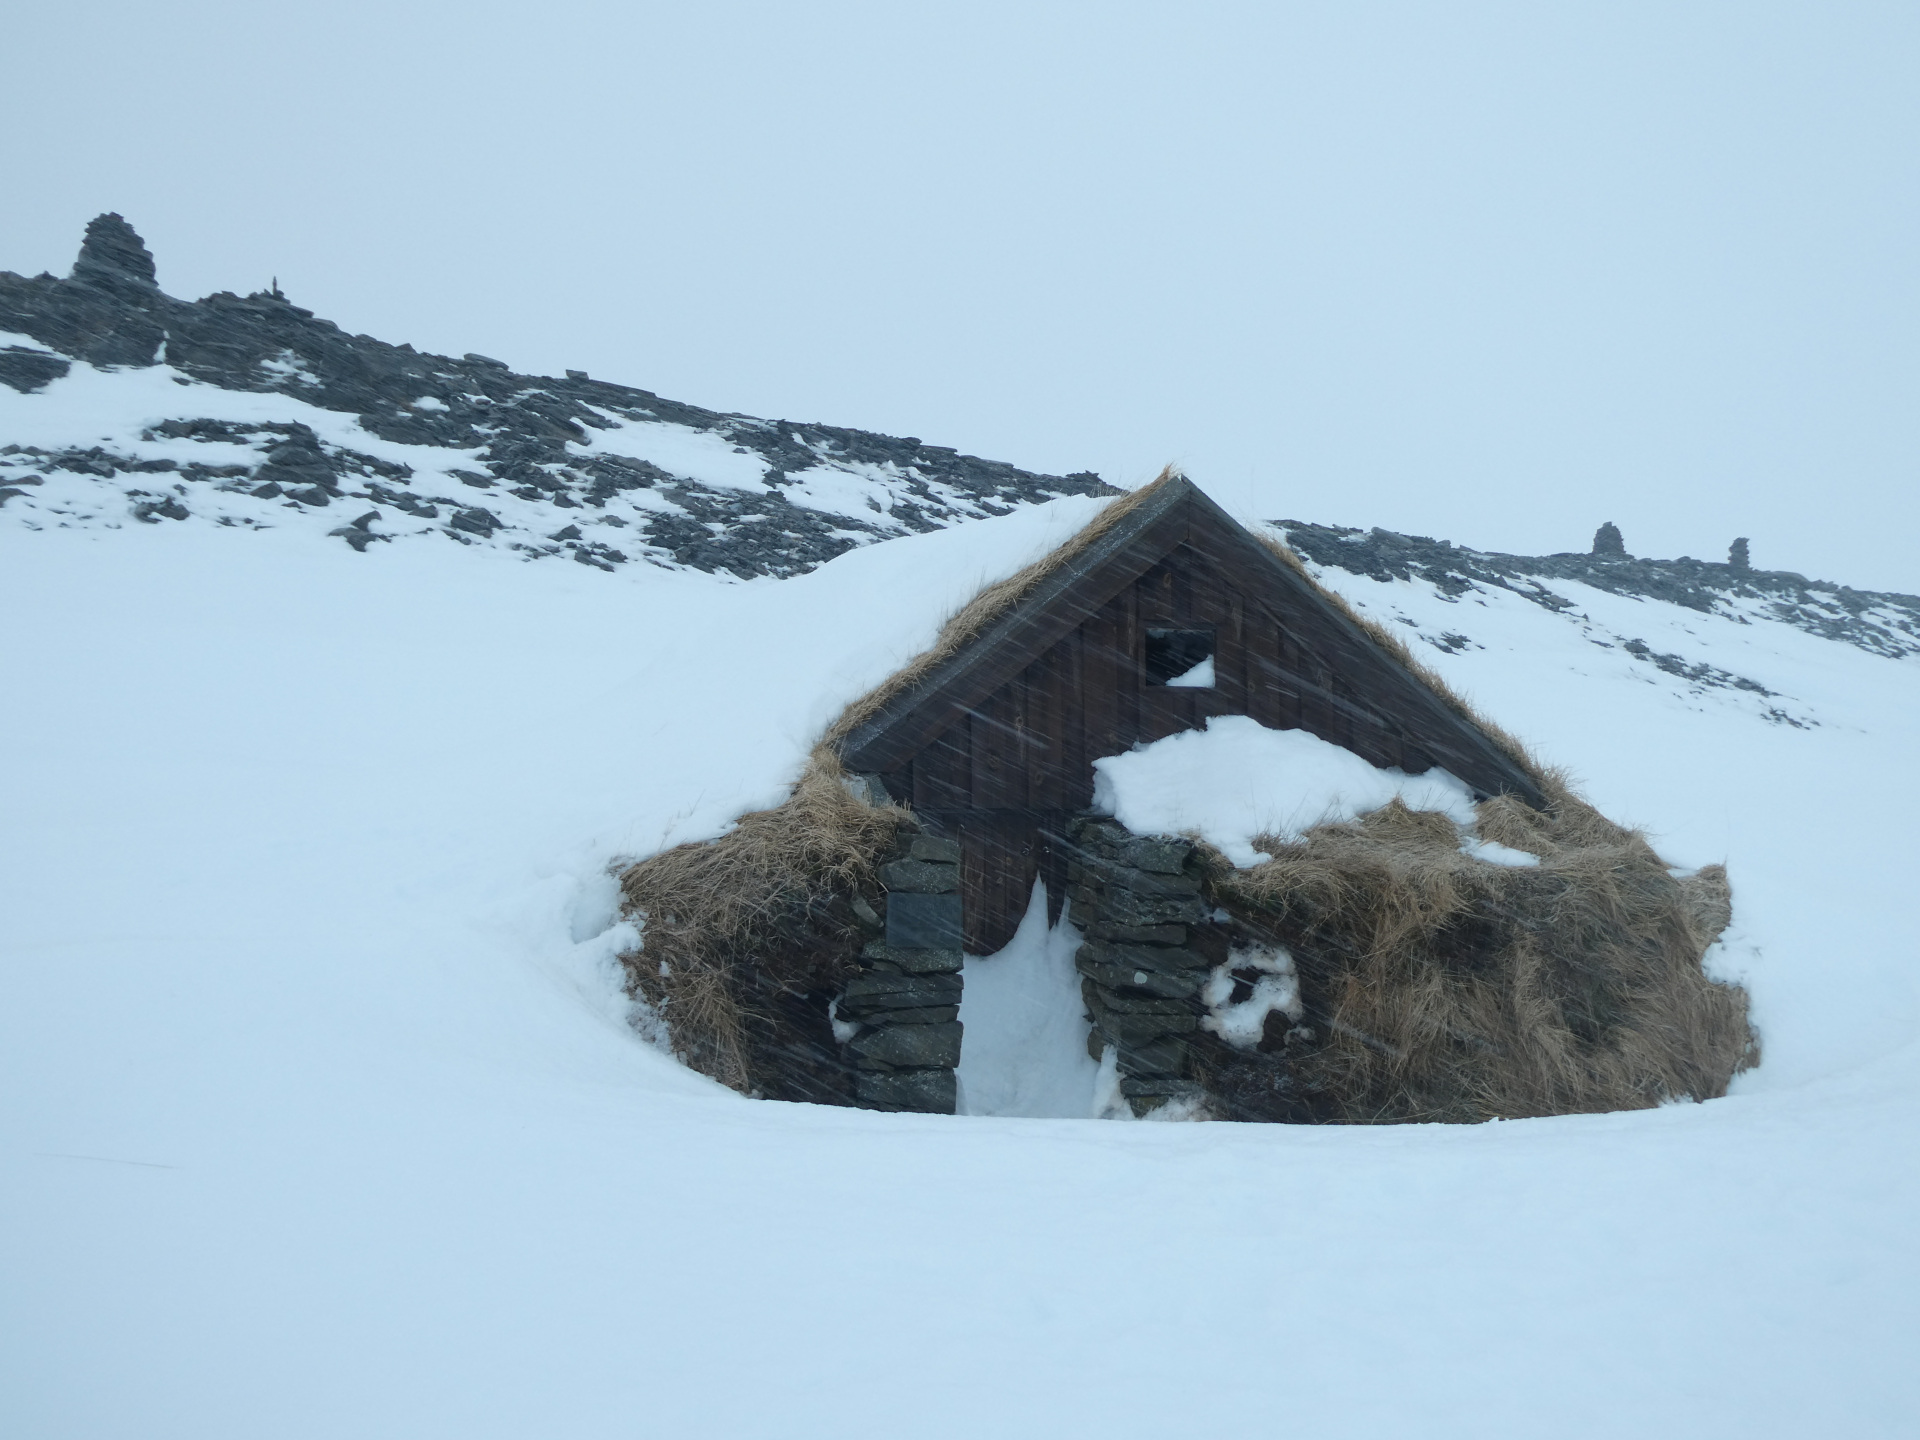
(323, 1116)
(120, 404)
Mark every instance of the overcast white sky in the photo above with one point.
(1495, 272)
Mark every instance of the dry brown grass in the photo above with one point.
(1442, 987)
(741, 937)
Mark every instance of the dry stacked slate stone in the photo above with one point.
(1151, 938)
(905, 997)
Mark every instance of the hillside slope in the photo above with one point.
(323, 1117)
(123, 403)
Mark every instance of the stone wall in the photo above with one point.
(1151, 938)
(898, 1016)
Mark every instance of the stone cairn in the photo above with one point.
(899, 1016)
(1150, 941)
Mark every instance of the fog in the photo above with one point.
(1491, 272)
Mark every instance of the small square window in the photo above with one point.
(1180, 658)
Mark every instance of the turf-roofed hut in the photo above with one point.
(1371, 970)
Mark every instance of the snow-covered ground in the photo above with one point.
(319, 1114)
(101, 447)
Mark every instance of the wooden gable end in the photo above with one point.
(998, 745)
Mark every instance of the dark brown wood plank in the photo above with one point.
(1073, 789)
(1385, 688)
(1327, 642)
(998, 780)
(1163, 712)
(1350, 651)
(942, 772)
(1004, 649)
(1042, 729)
(1213, 603)
(1104, 685)
(999, 860)
(1054, 857)
(1230, 658)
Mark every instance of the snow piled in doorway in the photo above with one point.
(1025, 1051)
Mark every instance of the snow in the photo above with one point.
(95, 406)
(1025, 1049)
(115, 409)
(1274, 986)
(679, 450)
(1236, 780)
(321, 1115)
(1494, 853)
(1200, 677)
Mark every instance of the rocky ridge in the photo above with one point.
(411, 444)
(1882, 622)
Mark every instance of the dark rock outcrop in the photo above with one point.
(111, 312)
(1883, 622)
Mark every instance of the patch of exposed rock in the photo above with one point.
(525, 436)
(1882, 622)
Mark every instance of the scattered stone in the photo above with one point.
(1162, 958)
(1173, 984)
(922, 921)
(1168, 1055)
(358, 534)
(873, 992)
(1879, 622)
(109, 311)
(30, 370)
(1137, 934)
(149, 510)
(870, 789)
(475, 522)
(913, 961)
(898, 1047)
(1132, 1028)
(1157, 855)
(1122, 906)
(919, 876)
(1147, 1093)
(931, 1092)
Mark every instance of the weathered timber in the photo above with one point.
(995, 745)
